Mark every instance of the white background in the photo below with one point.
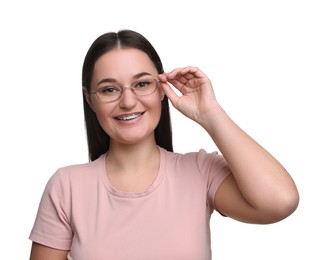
(264, 59)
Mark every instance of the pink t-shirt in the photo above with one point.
(81, 212)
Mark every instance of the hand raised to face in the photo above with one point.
(197, 95)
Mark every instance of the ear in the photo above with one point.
(88, 97)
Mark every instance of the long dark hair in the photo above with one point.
(97, 139)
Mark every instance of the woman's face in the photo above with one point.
(131, 118)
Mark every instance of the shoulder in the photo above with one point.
(201, 161)
(193, 158)
(211, 168)
(76, 174)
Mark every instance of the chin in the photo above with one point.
(132, 138)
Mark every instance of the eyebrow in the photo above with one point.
(112, 80)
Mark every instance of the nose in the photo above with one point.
(127, 99)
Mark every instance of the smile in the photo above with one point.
(129, 117)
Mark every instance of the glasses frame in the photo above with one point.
(122, 90)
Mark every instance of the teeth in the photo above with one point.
(129, 117)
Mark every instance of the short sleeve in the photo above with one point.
(214, 170)
(52, 225)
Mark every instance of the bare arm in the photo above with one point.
(260, 190)
(41, 252)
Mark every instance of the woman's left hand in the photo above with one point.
(197, 95)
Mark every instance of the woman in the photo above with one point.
(136, 198)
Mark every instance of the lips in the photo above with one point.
(128, 117)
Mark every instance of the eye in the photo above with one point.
(145, 83)
(109, 90)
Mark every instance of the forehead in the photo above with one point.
(123, 62)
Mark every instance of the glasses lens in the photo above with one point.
(109, 93)
(144, 86)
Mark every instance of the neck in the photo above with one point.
(133, 156)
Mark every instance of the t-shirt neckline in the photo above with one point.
(126, 194)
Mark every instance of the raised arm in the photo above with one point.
(260, 190)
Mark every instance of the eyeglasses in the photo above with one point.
(112, 91)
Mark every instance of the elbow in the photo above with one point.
(284, 206)
(291, 203)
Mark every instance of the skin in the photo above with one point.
(125, 66)
(259, 191)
